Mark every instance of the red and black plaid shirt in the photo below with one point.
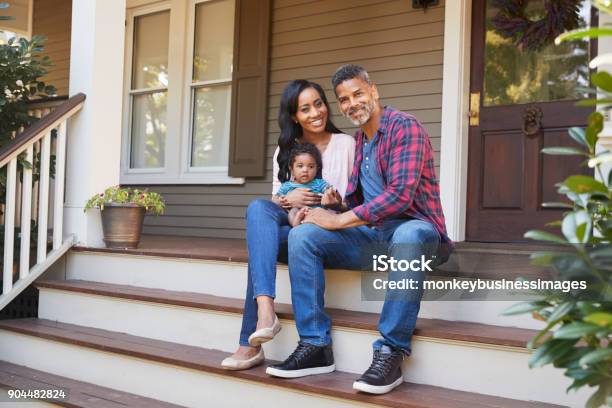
(406, 161)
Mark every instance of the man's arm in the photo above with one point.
(332, 221)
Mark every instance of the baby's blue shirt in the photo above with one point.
(316, 186)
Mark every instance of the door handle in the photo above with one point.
(474, 113)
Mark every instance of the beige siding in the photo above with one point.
(52, 18)
(400, 47)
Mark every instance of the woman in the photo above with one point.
(303, 117)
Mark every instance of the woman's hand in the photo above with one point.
(300, 197)
(331, 198)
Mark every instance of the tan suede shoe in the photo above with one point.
(266, 334)
(233, 364)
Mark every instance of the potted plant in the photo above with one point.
(123, 210)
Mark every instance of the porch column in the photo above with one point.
(455, 107)
(94, 141)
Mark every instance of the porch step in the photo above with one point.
(190, 375)
(228, 279)
(78, 394)
(426, 328)
(469, 259)
(476, 357)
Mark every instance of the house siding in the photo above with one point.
(52, 18)
(401, 47)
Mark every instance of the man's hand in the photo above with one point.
(331, 220)
(321, 217)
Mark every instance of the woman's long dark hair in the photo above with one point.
(290, 131)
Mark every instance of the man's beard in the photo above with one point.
(366, 112)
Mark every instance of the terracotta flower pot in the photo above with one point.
(122, 225)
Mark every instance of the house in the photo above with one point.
(182, 96)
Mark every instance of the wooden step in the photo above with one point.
(337, 384)
(78, 394)
(469, 260)
(431, 328)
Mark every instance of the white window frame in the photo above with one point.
(177, 169)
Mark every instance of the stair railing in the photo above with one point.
(27, 200)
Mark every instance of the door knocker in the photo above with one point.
(532, 121)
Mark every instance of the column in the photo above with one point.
(94, 135)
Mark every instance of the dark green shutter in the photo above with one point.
(250, 88)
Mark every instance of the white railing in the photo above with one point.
(28, 198)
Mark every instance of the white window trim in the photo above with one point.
(178, 143)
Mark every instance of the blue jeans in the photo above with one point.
(267, 232)
(312, 248)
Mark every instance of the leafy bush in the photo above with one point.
(21, 67)
(578, 333)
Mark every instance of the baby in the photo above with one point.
(305, 162)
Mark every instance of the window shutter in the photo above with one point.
(250, 88)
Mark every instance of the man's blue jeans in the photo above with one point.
(312, 248)
(267, 232)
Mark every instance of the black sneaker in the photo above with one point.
(305, 360)
(384, 374)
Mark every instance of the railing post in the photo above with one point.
(9, 225)
(26, 215)
(43, 197)
(60, 165)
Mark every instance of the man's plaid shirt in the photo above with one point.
(406, 162)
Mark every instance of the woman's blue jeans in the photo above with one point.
(267, 232)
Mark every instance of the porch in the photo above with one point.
(166, 314)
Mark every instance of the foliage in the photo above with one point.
(127, 196)
(21, 67)
(578, 332)
(580, 320)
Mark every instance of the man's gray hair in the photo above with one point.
(350, 71)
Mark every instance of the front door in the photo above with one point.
(527, 101)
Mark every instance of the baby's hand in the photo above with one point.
(297, 216)
(331, 198)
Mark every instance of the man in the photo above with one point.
(393, 196)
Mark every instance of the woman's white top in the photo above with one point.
(337, 159)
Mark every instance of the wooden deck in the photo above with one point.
(469, 260)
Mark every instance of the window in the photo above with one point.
(178, 93)
(211, 83)
(149, 91)
(21, 24)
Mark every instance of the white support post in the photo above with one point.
(58, 195)
(455, 107)
(43, 196)
(9, 225)
(94, 151)
(26, 216)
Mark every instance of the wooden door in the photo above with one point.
(527, 102)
